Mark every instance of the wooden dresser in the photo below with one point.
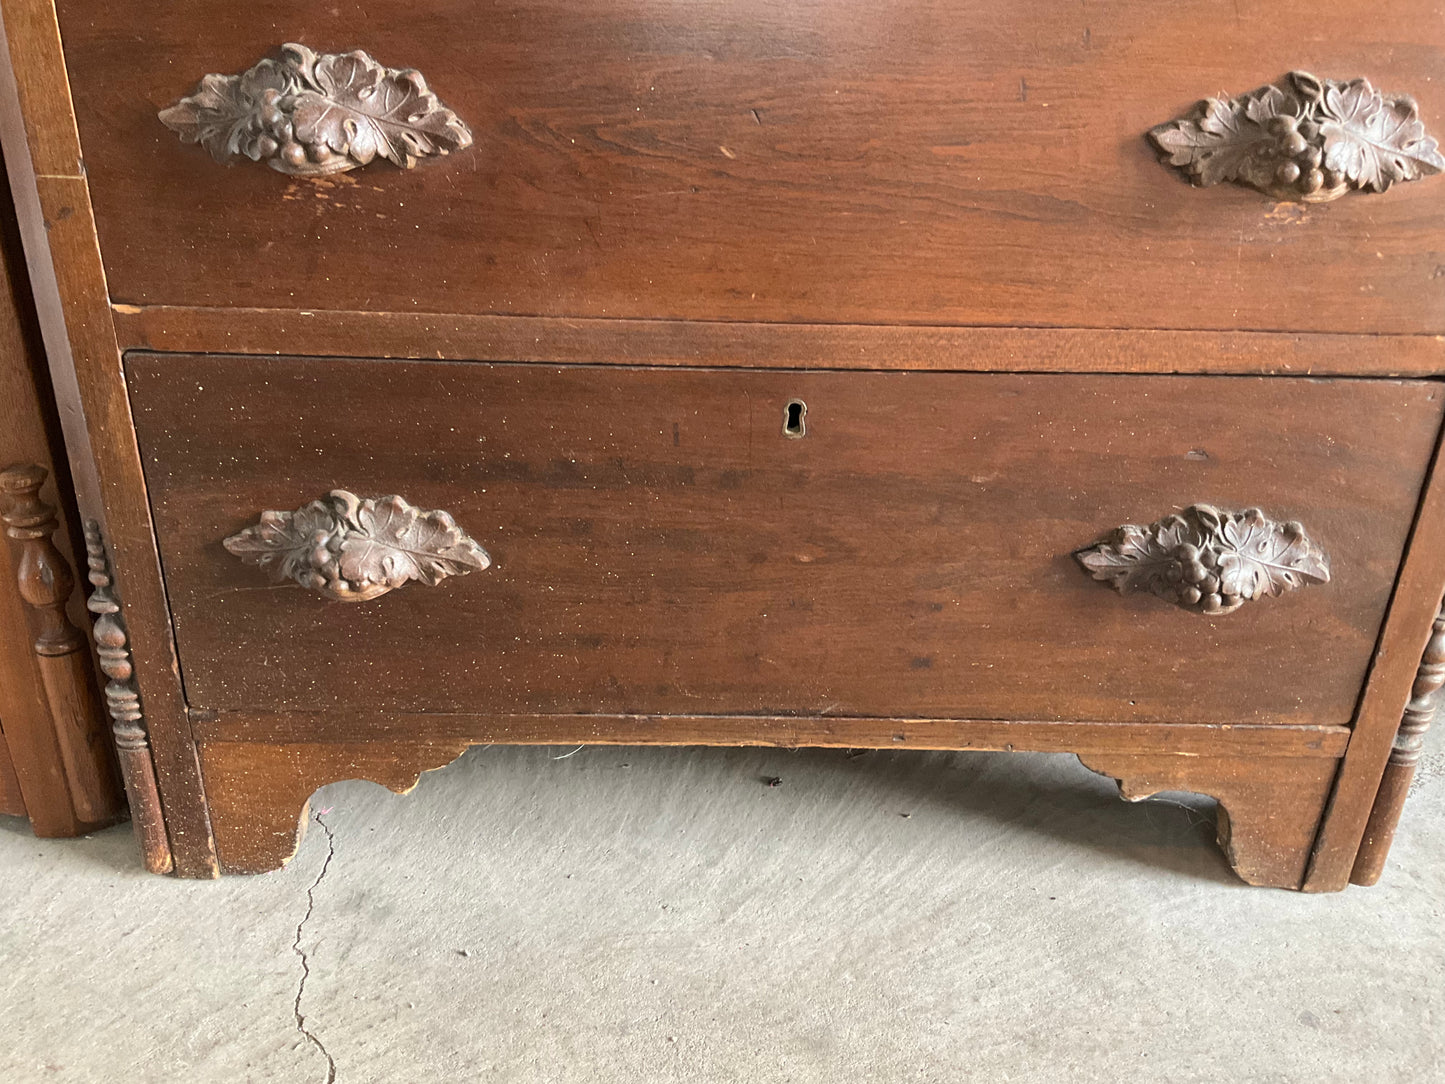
(941, 374)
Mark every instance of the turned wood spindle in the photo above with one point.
(1400, 771)
(132, 742)
(46, 582)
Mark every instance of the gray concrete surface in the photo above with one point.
(638, 915)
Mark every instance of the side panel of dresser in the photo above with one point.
(1398, 657)
(55, 766)
(37, 129)
(1404, 756)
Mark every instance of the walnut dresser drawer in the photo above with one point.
(662, 544)
(950, 162)
(804, 374)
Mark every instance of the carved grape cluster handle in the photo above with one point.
(1207, 560)
(1304, 139)
(351, 549)
(311, 114)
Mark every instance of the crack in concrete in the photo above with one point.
(306, 960)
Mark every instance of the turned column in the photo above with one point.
(45, 583)
(1400, 771)
(132, 742)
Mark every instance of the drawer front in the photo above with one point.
(935, 162)
(660, 543)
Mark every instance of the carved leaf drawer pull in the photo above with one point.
(1304, 139)
(311, 114)
(1208, 560)
(352, 549)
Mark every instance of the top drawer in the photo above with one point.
(924, 161)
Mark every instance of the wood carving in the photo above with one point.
(310, 114)
(45, 578)
(1303, 138)
(132, 742)
(1269, 807)
(46, 583)
(1207, 560)
(1404, 756)
(353, 549)
(258, 828)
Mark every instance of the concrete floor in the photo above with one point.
(639, 915)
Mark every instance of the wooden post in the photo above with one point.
(60, 648)
(1404, 755)
(132, 742)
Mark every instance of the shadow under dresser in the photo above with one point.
(935, 374)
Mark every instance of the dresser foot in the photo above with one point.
(259, 794)
(1269, 807)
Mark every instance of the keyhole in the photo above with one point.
(794, 419)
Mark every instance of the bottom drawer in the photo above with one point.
(740, 542)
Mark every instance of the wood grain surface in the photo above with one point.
(1269, 810)
(915, 161)
(258, 794)
(12, 799)
(26, 436)
(259, 790)
(661, 547)
(571, 340)
(788, 731)
(62, 253)
(1403, 642)
(41, 740)
(809, 186)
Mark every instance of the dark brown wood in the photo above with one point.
(41, 103)
(44, 576)
(1404, 755)
(1268, 809)
(1413, 609)
(1384, 819)
(12, 799)
(25, 437)
(454, 337)
(35, 693)
(788, 731)
(660, 546)
(58, 228)
(107, 415)
(968, 163)
(259, 793)
(46, 584)
(750, 188)
(42, 141)
(132, 742)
